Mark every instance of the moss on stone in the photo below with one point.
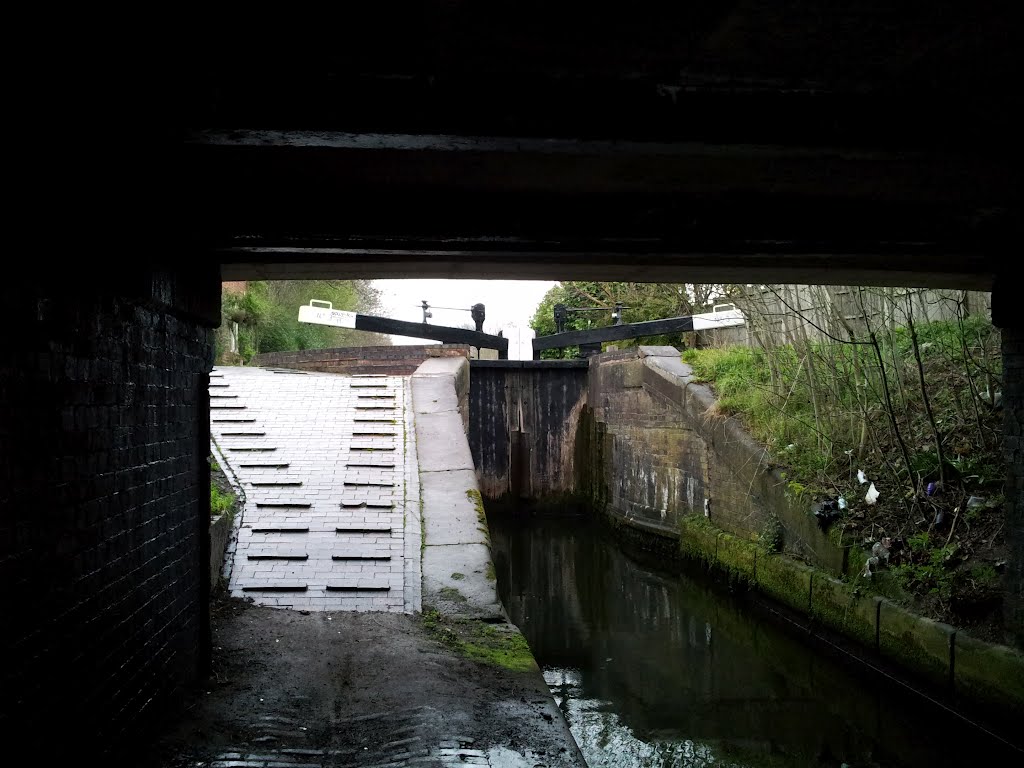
(451, 593)
(738, 558)
(458, 576)
(489, 574)
(987, 672)
(919, 644)
(785, 580)
(500, 645)
(842, 608)
(423, 527)
(478, 504)
(698, 539)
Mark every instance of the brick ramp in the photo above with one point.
(328, 468)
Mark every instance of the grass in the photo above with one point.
(742, 383)
(478, 504)
(822, 413)
(221, 503)
(816, 429)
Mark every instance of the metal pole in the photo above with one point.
(477, 311)
(560, 314)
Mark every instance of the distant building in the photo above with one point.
(235, 286)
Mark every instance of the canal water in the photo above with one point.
(654, 668)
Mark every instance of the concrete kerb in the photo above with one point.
(442, 430)
(413, 519)
(224, 532)
(986, 672)
(455, 538)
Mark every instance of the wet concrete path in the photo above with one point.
(294, 690)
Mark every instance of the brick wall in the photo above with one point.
(389, 361)
(1007, 315)
(1013, 440)
(104, 502)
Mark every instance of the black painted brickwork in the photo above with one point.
(103, 509)
(1013, 446)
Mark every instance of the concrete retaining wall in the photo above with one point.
(387, 361)
(459, 579)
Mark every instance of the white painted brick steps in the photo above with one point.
(328, 466)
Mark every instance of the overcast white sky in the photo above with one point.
(509, 306)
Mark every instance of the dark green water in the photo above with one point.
(653, 668)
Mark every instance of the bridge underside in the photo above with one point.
(732, 141)
(286, 204)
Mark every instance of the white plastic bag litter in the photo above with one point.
(872, 495)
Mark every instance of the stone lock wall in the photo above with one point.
(654, 465)
(664, 453)
(104, 501)
(659, 451)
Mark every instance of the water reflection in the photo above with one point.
(655, 669)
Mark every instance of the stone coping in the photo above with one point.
(458, 575)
